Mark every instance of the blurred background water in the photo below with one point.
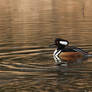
(27, 28)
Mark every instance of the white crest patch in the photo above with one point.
(63, 42)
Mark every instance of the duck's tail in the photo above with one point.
(89, 55)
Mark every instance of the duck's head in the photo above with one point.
(60, 43)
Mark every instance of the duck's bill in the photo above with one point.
(52, 45)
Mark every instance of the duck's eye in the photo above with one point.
(63, 42)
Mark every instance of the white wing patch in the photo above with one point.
(63, 42)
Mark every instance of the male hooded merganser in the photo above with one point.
(67, 53)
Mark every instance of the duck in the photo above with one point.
(67, 53)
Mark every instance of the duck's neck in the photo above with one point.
(60, 47)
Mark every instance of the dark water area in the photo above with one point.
(27, 28)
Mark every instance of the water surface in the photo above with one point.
(27, 28)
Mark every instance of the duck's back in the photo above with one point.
(71, 53)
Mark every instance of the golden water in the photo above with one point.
(27, 28)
